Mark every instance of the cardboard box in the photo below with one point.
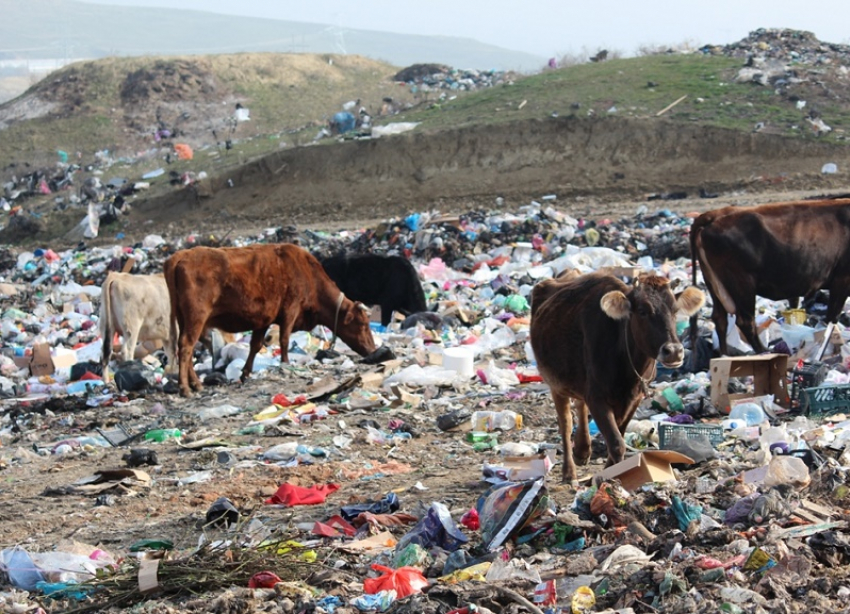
(644, 468)
(769, 373)
(42, 362)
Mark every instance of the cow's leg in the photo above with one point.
(386, 315)
(628, 415)
(565, 428)
(128, 349)
(581, 445)
(283, 336)
(746, 321)
(721, 326)
(258, 336)
(837, 298)
(190, 332)
(606, 420)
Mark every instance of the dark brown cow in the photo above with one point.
(777, 251)
(250, 288)
(596, 340)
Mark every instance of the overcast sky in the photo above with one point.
(551, 27)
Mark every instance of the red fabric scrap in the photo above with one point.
(263, 579)
(291, 495)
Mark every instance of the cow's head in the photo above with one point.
(651, 307)
(354, 327)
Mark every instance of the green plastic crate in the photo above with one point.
(826, 399)
(668, 430)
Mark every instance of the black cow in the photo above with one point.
(374, 279)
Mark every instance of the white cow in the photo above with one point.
(138, 308)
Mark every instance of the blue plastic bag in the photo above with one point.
(436, 528)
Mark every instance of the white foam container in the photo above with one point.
(459, 359)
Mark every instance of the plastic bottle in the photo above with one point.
(496, 420)
(162, 434)
(83, 386)
(220, 411)
(751, 412)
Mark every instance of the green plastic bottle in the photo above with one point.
(162, 434)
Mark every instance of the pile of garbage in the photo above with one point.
(424, 483)
(785, 45)
(435, 77)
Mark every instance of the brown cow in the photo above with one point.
(596, 340)
(777, 251)
(250, 288)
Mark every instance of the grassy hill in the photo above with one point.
(644, 86)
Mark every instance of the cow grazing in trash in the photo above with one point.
(374, 279)
(777, 251)
(250, 288)
(137, 308)
(596, 340)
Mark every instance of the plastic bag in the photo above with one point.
(404, 581)
(507, 508)
(21, 569)
(787, 470)
(436, 528)
(134, 376)
(386, 505)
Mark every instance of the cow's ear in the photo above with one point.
(674, 283)
(690, 301)
(616, 305)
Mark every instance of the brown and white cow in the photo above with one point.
(596, 340)
(777, 251)
(250, 288)
(137, 307)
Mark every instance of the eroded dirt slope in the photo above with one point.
(604, 160)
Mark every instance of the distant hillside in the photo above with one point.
(66, 28)
(119, 103)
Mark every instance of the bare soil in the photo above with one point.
(596, 167)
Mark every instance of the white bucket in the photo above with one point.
(459, 359)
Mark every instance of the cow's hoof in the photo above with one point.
(197, 386)
(186, 392)
(582, 460)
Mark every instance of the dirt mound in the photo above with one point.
(168, 81)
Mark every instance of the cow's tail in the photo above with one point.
(107, 329)
(696, 229)
(169, 270)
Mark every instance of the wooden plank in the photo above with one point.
(801, 513)
(817, 508)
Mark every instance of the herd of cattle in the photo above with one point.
(596, 339)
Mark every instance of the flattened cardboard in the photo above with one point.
(769, 372)
(42, 362)
(148, 569)
(107, 479)
(648, 466)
